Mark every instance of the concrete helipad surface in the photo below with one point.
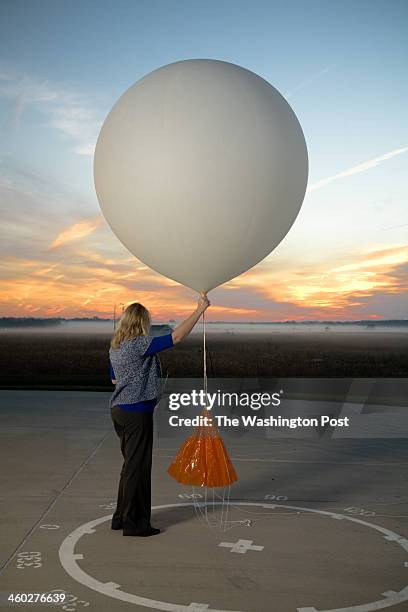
(316, 521)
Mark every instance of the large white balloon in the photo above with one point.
(200, 170)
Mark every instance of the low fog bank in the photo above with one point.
(296, 328)
(42, 326)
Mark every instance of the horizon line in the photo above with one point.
(291, 321)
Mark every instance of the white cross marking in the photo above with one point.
(241, 546)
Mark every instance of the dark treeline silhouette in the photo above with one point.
(27, 322)
(38, 321)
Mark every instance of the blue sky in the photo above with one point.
(341, 65)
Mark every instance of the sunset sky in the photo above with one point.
(342, 65)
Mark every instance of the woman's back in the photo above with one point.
(137, 374)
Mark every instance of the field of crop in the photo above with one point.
(79, 361)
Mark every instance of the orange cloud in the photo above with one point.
(385, 257)
(87, 286)
(332, 289)
(91, 284)
(77, 231)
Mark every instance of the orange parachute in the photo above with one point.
(202, 459)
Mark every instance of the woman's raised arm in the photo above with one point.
(186, 326)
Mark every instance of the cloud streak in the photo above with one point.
(363, 167)
(67, 111)
(311, 79)
(76, 231)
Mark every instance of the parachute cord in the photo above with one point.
(201, 508)
(205, 408)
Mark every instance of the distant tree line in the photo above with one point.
(28, 322)
(39, 322)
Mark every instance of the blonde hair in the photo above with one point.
(135, 321)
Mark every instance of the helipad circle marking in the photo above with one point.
(68, 561)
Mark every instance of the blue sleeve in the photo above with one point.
(111, 372)
(159, 343)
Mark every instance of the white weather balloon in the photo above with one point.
(200, 170)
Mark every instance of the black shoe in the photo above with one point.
(143, 534)
(116, 526)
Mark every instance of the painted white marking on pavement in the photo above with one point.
(278, 498)
(196, 607)
(338, 517)
(396, 538)
(241, 546)
(66, 555)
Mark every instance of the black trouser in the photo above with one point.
(135, 430)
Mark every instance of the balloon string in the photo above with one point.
(204, 362)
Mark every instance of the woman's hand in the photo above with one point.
(203, 303)
(186, 326)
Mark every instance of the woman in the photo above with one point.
(136, 372)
